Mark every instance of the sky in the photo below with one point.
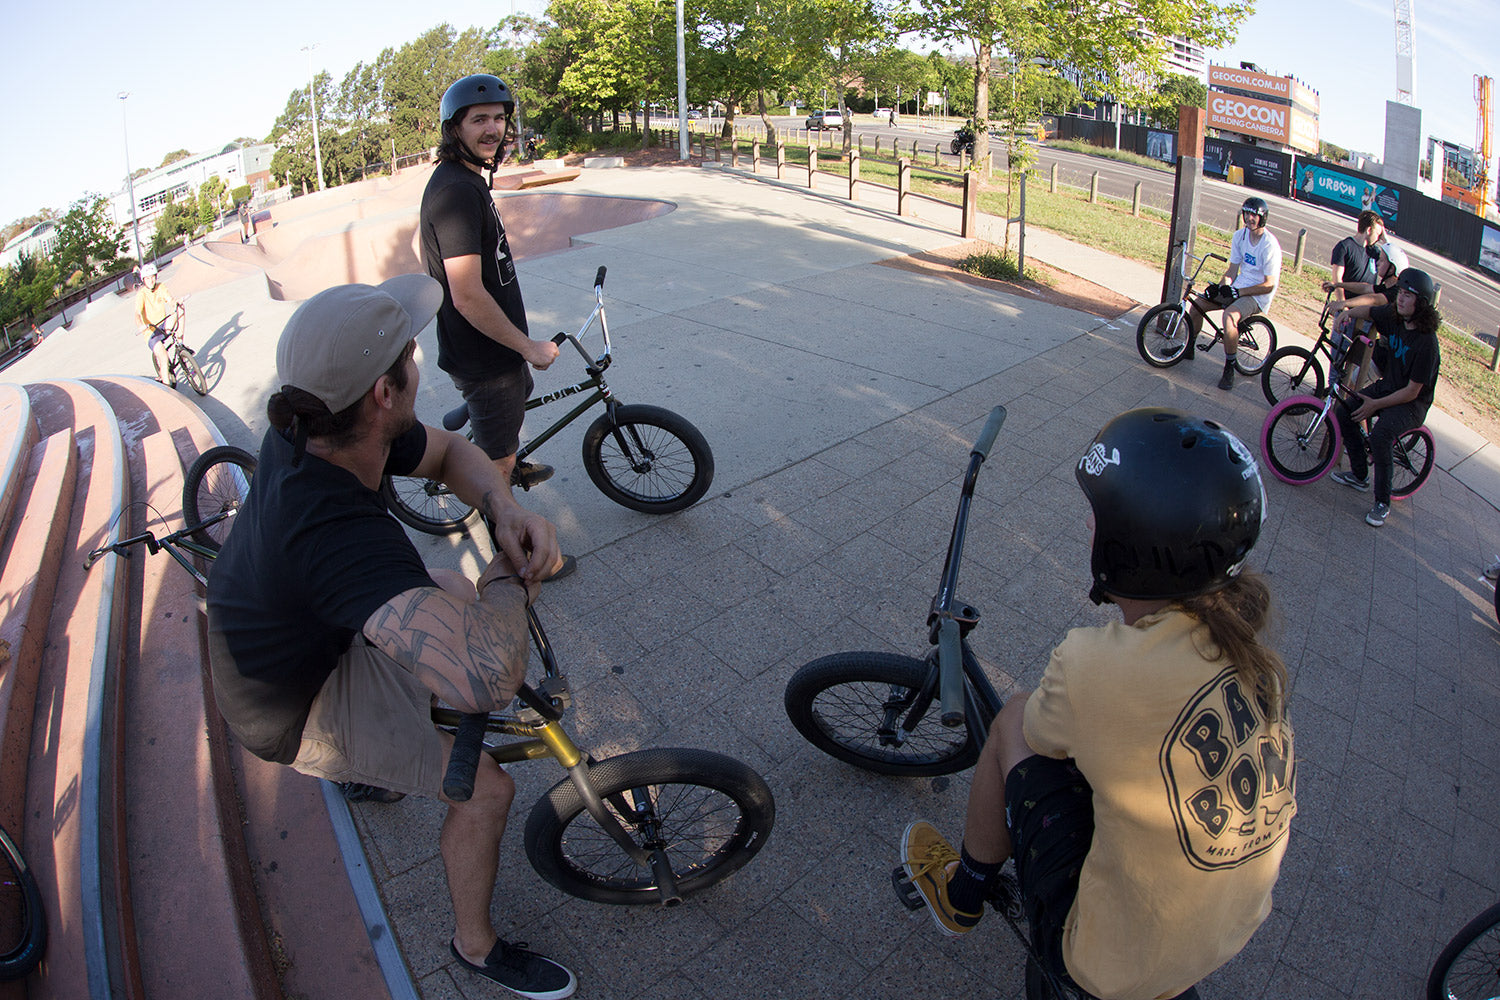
(198, 79)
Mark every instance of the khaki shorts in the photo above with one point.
(372, 723)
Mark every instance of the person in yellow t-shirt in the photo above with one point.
(154, 305)
(1146, 788)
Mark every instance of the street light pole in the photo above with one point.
(317, 149)
(130, 178)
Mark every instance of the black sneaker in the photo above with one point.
(523, 972)
(529, 474)
(1226, 381)
(569, 565)
(355, 791)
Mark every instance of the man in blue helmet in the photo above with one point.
(483, 341)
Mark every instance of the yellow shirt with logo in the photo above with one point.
(152, 305)
(1194, 793)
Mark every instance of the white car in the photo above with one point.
(825, 119)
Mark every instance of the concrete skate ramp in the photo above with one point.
(374, 238)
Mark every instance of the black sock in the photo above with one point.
(970, 883)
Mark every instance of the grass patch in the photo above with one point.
(992, 263)
(1123, 155)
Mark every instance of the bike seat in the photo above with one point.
(456, 418)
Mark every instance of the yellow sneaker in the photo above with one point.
(929, 861)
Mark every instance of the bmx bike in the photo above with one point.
(1164, 335)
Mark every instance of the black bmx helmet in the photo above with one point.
(480, 88)
(1419, 283)
(1177, 504)
(1259, 207)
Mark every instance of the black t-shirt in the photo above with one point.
(1359, 260)
(1404, 356)
(313, 553)
(459, 218)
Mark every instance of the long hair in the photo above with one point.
(1425, 318)
(1234, 617)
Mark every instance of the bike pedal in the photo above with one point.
(909, 895)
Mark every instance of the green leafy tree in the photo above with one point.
(10, 232)
(1338, 154)
(1099, 41)
(177, 220)
(27, 287)
(1173, 91)
(88, 240)
(416, 76)
(173, 157)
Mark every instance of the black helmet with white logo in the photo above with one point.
(1177, 505)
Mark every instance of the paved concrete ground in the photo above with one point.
(840, 397)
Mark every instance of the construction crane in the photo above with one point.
(1405, 56)
(1482, 85)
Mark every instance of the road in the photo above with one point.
(1469, 300)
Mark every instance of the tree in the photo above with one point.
(1095, 41)
(855, 33)
(1337, 154)
(27, 287)
(87, 239)
(173, 157)
(1172, 92)
(176, 220)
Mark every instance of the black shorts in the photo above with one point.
(497, 408)
(1049, 810)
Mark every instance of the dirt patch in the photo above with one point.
(1057, 287)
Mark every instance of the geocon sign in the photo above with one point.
(1226, 78)
(1275, 122)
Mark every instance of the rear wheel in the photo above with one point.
(1411, 462)
(1257, 342)
(1291, 371)
(217, 483)
(425, 504)
(1299, 443)
(1162, 334)
(876, 711)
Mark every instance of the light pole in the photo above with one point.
(317, 149)
(130, 178)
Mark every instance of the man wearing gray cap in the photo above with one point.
(328, 637)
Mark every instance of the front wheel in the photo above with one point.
(23, 926)
(1299, 441)
(187, 365)
(876, 711)
(1257, 342)
(709, 813)
(1411, 462)
(1291, 371)
(425, 504)
(216, 483)
(1162, 334)
(648, 459)
(1469, 967)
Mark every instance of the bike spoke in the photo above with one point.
(844, 712)
(692, 823)
(651, 463)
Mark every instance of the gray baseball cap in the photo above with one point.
(341, 340)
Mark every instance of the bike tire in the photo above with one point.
(1411, 462)
(1467, 966)
(425, 504)
(1162, 335)
(191, 373)
(714, 815)
(1291, 371)
(648, 459)
(850, 705)
(23, 925)
(217, 481)
(1257, 343)
(1293, 455)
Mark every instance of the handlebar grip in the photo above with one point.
(599, 276)
(560, 339)
(463, 762)
(991, 431)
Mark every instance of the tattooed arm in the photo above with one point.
(528, 540)
(471, 655)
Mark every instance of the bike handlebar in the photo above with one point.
(599, 277)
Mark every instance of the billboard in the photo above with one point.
(1257, 83)
(1275, 122)
(1354, 194)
